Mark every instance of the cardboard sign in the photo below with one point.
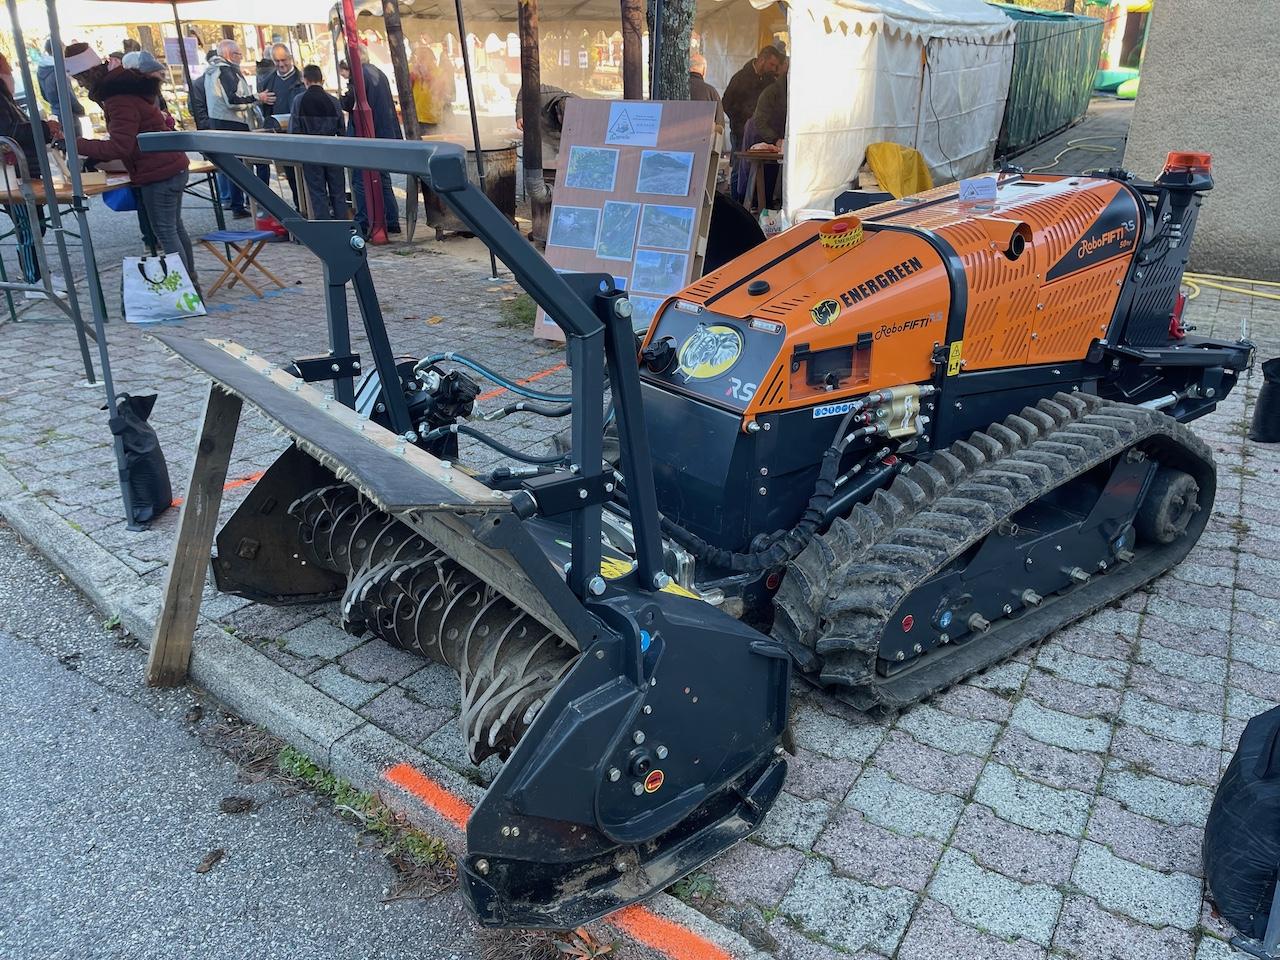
(633, 198)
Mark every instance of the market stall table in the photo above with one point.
(756, 196)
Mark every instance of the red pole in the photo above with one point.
(362, 116)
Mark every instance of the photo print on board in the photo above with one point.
(642, 310)
(659, 272)
(618, 230)
(664, 226)
(574, 227)
(591, 168)
(665, 171)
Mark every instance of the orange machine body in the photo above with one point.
(1030, 278)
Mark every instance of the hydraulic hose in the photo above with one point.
(480, 368)
(494, 443)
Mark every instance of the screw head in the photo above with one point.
(596, 586)
(648, 709)
(637, 788)
(506, 831)
(638, 737)
(901, 655)
(582, 493)
(661, 581)
(333, 367)
(661, 752)
(753, 427)
(614, 774)
(622, 307)
(482, 867)
(515, 831)
(357, 242)
(1007, 608)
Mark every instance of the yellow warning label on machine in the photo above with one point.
(611, 568)
(953, 361)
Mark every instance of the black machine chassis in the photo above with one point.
(838, 598)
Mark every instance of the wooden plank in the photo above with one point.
(461, 482)
(184, 582)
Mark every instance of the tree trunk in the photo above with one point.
(632, 49)
(408, 109)
(535, 186)
(670, 40)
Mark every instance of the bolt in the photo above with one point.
(944, 638)
(1211, 393)
(638, 737)
(410, 436)
(653, 681)
(333, 367)
(1007, 609)
(596, 586)
(637, 788)
(1102, 566)
(1031, 598)
(582, 493)
(1078, 575)
(661, 581)
(764, 471)
(622, 307)
(980, 623)
(1028, 562)
(357, 242)
(599, 654)
(901, 655)
(661, 752)
(753, 427)
(763, 491)
(355, 364)
(959, 405)
(918, 648)
(614, 774)
(506, 831)
(608, 488)
(647, 709)
(767, 426)
(1125, 556)
(482, 867)
(515, 831)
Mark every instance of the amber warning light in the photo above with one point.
(1180, 161)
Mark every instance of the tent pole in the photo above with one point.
(182, 45)
(632, 50)
(475, 122)
(81, 206)
(46, 179)
(362, 117)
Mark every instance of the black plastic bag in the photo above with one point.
(146, 473)
(1242, 836)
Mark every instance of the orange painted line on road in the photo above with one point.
(231, 485)
(666, 936)
(453, 808)
(490, 394)
(638, 922)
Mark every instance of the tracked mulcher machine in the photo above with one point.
(888, 450)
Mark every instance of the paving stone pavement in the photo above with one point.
(1052, 805)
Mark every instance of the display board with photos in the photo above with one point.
(633, 197)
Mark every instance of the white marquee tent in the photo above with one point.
(929, 74)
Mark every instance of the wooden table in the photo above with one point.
(11, 192)
(756, 160)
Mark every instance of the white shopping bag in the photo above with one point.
(158, 288)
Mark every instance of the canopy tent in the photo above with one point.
(929, 75)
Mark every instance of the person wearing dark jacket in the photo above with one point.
(771, 113)
(47, 81)
(129, 101)
(232, 106)
(386, 126)
(197, 98)
(15, 126)
(744, 89)
(286, 83)
(319, 113)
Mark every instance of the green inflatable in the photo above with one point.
(1128, 90)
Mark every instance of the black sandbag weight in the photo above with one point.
(1265, 426)
(146, 473)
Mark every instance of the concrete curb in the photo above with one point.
(265, 693)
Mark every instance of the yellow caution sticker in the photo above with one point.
(953, 361)
(611, 568)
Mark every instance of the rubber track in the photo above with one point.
(839, 594)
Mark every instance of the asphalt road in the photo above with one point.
(111, 798)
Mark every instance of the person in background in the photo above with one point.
(286, 83)
(386, 126)
(699, 89)
(197, 102)
(115, 59)
(770, 114)
(551, 119)
(128, 100)
(47, 81)
(424, 75)
(130, 45)
(315, 111)
(232, 106)
(149, 66)
(741, 95)
(15, 126)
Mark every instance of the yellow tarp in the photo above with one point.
(900, 170)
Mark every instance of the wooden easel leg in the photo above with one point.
(184, 582)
